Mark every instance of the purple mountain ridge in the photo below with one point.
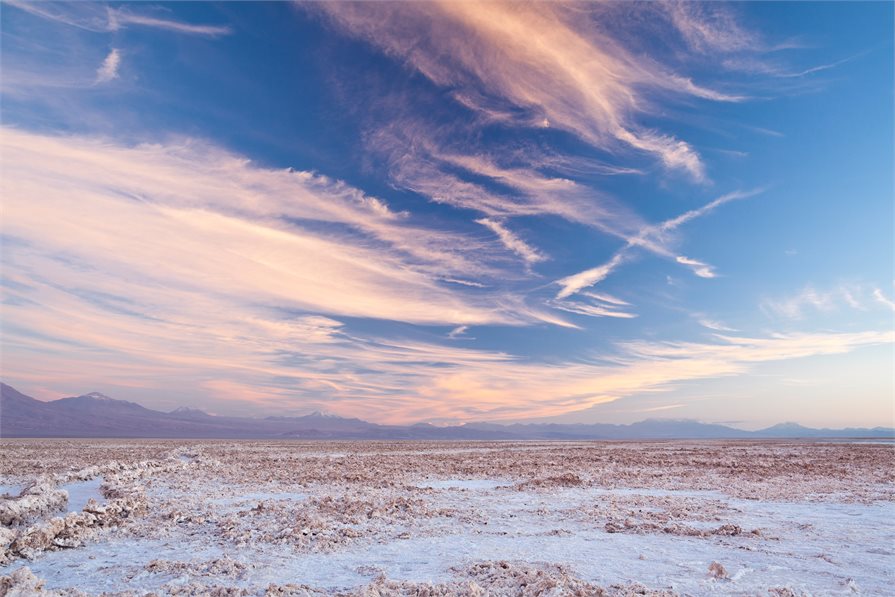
(96, 415)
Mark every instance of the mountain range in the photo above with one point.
(95, 415)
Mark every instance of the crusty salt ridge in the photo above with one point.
(26, 534)
(40, 497)
(476, 518)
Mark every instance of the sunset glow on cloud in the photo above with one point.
(451, 211)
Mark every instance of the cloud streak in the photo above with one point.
(102, 18)
(108, 70)
(577, 282)
(703, 270)
(118, 18)
(654, 238)
(147, 205)
(172, 264)
(883, 299)
(510, 145)
(554, 62)
(512, 242)
(810, 300)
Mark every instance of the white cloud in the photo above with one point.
(678, 221)
(529, 66)
(512, 242)
(458, 332)
(710, 27)
(576, 282)
(101, 18)
(120, 17)
(591, 310)
(193, 208)
(606, 298)
(703, 270)
(810, 299)
(469, 283)
(883, 299)
(169, 263)
(555, 62)
(794, 306)
(655, 239)
(716, 325)
(108, 70)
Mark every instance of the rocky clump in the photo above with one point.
(23, 583)
(126, 501)
(510, 579)
(484, 579)
(717, 570)
(680, 530)
(39, 498)
(564, 480)
(217, 568)
(73, 529)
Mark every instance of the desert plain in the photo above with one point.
(290, 518)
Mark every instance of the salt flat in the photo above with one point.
(472, 518)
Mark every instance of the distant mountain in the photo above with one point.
(324, 422)
(185, 412)
(97, 415)
(650, 428)
(784, 430)
(101, 405)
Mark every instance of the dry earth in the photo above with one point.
(430, 519)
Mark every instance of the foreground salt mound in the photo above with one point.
(367, 519)
(515, 579)
(563, 480)
(484, 579)
(73, 529)
(493, 578)
(23, 583)
(38, 499)
(126, 500)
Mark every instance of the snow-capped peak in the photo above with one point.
(323, 414)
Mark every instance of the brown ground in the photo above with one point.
(363, 493)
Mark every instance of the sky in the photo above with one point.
(452, 211)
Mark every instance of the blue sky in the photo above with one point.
(453, 211)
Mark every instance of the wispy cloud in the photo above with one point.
(764, 67)
(180, 265)
(703, 270)
(199, 199)
(108, 70)
(606, 298)
(111, 290)
(119, 18)
(542, 66)
(552, 61)
(512, 242)
(810, 299)
(677, 222)
(716, 325)
(711, 27)
(458, 332)
(658, 408)
(883, 299)
(423, 161)
(469, 283)
(654, 238)
(102, 18)
(594, 309)
(795, 305)
(482, 392)
(576, 282)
